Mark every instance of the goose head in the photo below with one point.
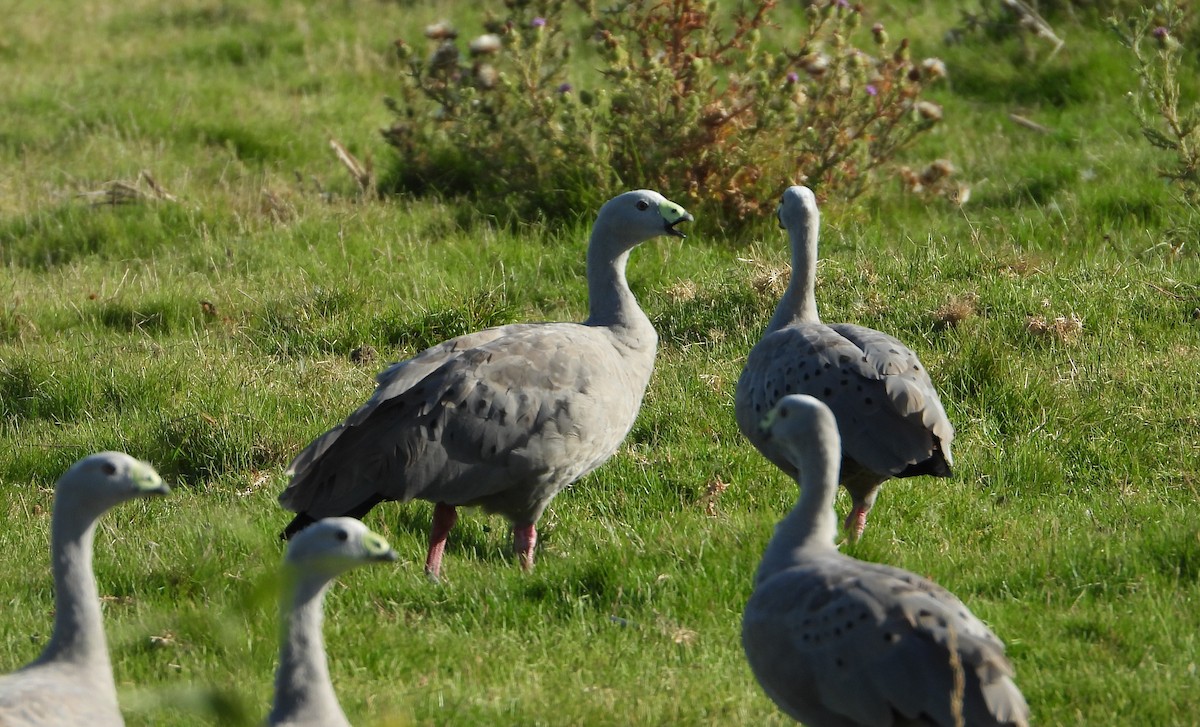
(334, 545)
(632, 218)
(106, 479)
(802, 425)
(796, 208)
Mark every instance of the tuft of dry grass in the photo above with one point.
(956, 309)
(768, 280)
(1064, 329)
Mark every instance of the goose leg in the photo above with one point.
(856, 522)
(524, 540)
(444, 517)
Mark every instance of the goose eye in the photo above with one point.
(643, 204)
(342, 535)
(108, 468)
(783, 413)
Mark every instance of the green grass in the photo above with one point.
(216, 339)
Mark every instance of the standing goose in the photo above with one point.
(837, 641)
(503, 418)
(891, 420)
(304, 695)
(71, 683)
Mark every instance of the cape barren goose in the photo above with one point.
(837, 641)
(891, 419)
(504, 418)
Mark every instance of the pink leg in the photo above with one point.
(444, 517)
(524, 540)
(856, 522)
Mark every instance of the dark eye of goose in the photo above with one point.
(643, 204)
(342, 535)
(108, 468)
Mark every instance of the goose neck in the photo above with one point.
(78, 636)
(799, 301)
(811, 526)
(610, 301)
(302, 684)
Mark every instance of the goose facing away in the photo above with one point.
(838, 641)
(71, 683)
(891, 420)
(304, 695)
(503, 418)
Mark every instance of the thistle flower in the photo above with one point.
(879, 34)
(793, 77)
(444, 57)
(871, 90)
(1163, 37)
(538, 22)
(565, 88)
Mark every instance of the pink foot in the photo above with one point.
(444, 517)
(524, 540)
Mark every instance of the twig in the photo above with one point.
(1029, 124)
(361, 174)
(1029, 18)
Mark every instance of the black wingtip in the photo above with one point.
(936, 466)
(297, 524)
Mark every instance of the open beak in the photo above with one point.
(670, 226)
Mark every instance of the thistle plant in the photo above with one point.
(722, 108)
(1152, 35)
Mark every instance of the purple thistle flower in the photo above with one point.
(843, 3)
(1160, 32)
(565, 88)
(793, 77)
(538, 22)
(871, 90)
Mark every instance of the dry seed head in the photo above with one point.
(487, 75)
(441, 31)
(933, 68)
(485, 44)
(929, 111)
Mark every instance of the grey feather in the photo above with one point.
(71, 683)
(892, 420)
(837, 641)
(507, 417)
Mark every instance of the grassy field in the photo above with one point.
(216, 335)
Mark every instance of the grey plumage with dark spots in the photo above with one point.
(891, 419)
(838, 642)
(71, 683)
(503, 418)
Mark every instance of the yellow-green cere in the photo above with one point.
(147, 479)
(671, 212)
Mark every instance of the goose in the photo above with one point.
(503, 418)
(304, 696)
(71, 683)
(838, 641)
(891, 419)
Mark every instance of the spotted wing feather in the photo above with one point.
(815, 359)
(867, 644)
